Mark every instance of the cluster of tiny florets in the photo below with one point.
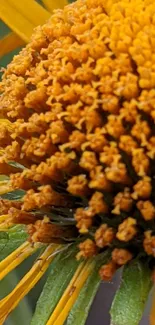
(80, 104)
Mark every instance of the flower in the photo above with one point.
(77, 139)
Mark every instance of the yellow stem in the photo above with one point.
(152, 313)
(9, 43)
(70, 295)
(16, 258)
(27, 283)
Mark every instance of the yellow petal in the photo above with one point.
(5, 226)
(5, 188)
(3, 218)
(27, 283)
(5, 223)
(16, 258)
(21, 26)
(31, 10)
(21, 21)
(3, 178)
(2, 151)
(70, 295)
(4, 121)
(9, 43)
(5, 182)
(152, 313)
(54, 4)
(5, 185)
(66, 295)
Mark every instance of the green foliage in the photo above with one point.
(15, 195)
(16, 165)
(129, 301)
(11, 239)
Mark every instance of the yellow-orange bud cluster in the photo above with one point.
(80, 99)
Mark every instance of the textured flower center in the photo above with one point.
(78, 105)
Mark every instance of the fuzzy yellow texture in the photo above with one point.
(81, 101)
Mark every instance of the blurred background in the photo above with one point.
(22, 315)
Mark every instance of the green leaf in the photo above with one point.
(11, 239)
(3, 235)
(129, 302)
(15, 195)
(16, 165)
(62, 270)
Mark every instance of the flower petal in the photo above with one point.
(4, 121)
(3, 218)
(28, 7)
(5, 223)
(9, 43)
(80, 310)
(5, 188)
(27, 283)
(66, 294)
(71, 293)
(51, 5)
(17, 257)
(22, 25)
